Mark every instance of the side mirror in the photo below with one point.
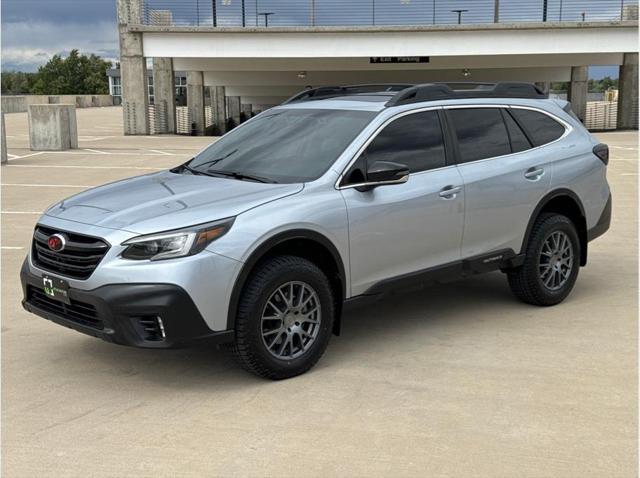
(379, 173)
(386, 172)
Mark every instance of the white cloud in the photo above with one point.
(27, 45)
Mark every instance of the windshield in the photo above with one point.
(284, 146)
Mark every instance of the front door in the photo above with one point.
(404, 228)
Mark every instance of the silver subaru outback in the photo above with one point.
(337, 196)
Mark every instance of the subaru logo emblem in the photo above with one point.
(56, 242)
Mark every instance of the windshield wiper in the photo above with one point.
(241, 176)
(195, 172)
(213, 173)
(214, 161)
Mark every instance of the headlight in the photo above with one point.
(176, 243)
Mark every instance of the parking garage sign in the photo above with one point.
(399, 59)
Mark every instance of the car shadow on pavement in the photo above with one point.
(414, 315)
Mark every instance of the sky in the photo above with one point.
(35, 30)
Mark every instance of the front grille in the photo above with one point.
(80, 256)
(79, 312)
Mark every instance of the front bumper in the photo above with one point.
(141, 315)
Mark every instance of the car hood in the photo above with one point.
(164, 201)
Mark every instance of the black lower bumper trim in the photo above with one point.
(126, 314)
(603, 223)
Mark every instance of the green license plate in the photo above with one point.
(57, 289)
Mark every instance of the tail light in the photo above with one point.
(602, 151)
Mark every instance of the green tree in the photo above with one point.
(603, 84)
(559, 86)
(17, 82)
(594, 86)
(74, 75)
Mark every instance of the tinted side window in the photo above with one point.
(519, 141)
(414, 140)
(481, 133)
(541, 128)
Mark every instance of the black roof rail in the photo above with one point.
(443, 91)
(468, 85)
(407, 93)
(325, 92)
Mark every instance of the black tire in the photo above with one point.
(249, 348)
(526, 282)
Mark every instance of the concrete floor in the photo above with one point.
(454, 381)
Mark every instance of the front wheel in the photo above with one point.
(285, 318)
(552, 262)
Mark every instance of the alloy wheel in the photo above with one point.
(556, 260)
(291, 320)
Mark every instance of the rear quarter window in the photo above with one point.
(541, 128)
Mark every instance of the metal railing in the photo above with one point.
(300, 13)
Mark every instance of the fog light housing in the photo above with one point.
(150, 327)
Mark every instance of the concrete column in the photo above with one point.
(195, 100)
(234, 106)
(133, 69)
(3, 140)
(246, 111)
(219, 108)
(628, 92)
(52, 127)
(164, 90)
(578, 89)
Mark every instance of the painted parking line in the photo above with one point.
(96, 151)
(21, 212)
(164, 153)
(68, 166)
(30, 185)
(25, 156)
(628, 148)
(90, 152)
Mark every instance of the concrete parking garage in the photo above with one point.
(459, 380)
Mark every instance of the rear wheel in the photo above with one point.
(552, 262)
(285, 318)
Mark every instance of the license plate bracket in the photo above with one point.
(56, 288)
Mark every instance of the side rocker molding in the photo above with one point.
(492, 261)
(264, 249)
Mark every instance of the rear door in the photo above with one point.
(402, 229)
(504, 176)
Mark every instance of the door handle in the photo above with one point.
(450, 192)
(533, 174)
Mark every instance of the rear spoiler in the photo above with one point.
(566, 107)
